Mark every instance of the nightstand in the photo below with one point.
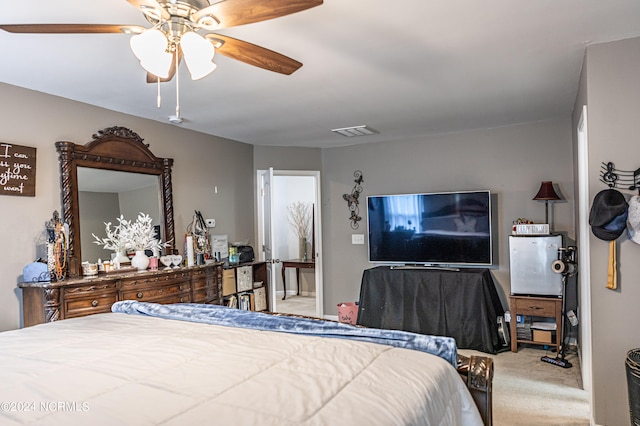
(548, 307)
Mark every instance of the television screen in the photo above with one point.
(439, 229)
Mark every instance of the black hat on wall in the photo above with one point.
(608, 216)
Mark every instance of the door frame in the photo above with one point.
(317, 232)
(583, 255)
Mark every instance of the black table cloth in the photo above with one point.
(461, 304)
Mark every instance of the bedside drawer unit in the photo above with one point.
(530, 306)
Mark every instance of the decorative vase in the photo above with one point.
(302, 248)
(140, 261)
(120, 257)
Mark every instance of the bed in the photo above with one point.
(149, 364)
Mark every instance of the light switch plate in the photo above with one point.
(357, 238)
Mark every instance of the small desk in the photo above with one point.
(298, 264)
(547, 307)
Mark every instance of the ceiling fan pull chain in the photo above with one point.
(177, 86)
(159, 98)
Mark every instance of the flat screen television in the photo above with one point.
(447, 229)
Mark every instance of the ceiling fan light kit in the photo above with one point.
(175, 18)
(150, 47)
(174, 34)
(198, 55)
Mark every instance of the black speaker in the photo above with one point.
(245, 254)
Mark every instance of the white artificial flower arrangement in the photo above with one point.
(300, 218)
(113, 240)
(138, 235)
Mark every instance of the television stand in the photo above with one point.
(426, 267)
(461, 304)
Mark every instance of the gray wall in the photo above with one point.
(611, 90)
(200, 162)
(282, 158)
(509, 161)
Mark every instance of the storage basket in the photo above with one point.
(348, 312)
(633, 383)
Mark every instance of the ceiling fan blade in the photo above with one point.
(146, 6)
(71, 28)
(253, 55)
(172, 71)
(231, 13)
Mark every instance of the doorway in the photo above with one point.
(296, 281)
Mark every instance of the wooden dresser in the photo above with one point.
(77, 297)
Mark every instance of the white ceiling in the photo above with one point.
(404, 68)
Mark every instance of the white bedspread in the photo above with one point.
(114, 369)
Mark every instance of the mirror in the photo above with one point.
(104, 195)
(116, 164)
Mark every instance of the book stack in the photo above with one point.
(245, 301)
(523, 327)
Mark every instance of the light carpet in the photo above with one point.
(527, 391)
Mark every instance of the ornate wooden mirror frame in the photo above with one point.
(118, 149)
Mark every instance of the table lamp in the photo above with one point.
(546, 193)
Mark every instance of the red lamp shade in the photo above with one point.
(546, 192)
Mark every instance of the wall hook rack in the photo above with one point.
(613, 177)
(352, 200)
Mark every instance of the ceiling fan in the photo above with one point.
(173, 34)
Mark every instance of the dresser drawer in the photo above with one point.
(154, 281)
(202, 281)
(95, 303)
(89, 289)
(535, 307)
(157, 293)
(208, 296)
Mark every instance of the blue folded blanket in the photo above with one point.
(444, 347)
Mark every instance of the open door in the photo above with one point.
(276, 189)
(265, 227)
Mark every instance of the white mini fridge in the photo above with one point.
(530, 260)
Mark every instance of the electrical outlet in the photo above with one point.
(357, 238)
(211, 223)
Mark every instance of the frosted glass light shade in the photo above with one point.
(150, 47)
(198, 55)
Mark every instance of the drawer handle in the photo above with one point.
(160, 291)
(139, 295)
(536, 307)
(94, 303)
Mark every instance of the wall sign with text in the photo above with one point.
(17, 170)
